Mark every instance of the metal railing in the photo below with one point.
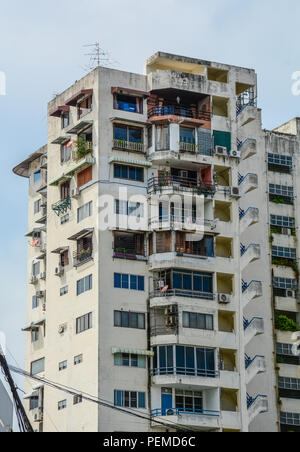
(182, 411)
(249, 361)
(184, 371)
(243, 212)
(179, 183)
(247, 322)
(182, 293)
(62, 206)
(251, 400)
(129, 145)
(170, 109)
(246, 285)
(128, 253)
(82, 256)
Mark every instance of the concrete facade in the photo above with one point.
(6, 411)
(187, 128)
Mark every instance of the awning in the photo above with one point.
(38, 386)
(74, 99)
(130, 121)
(70, 172)
(58, 111)
(60, 250)
(30, 234)
(30, 395)
(132, 351)
(23, 168)
(81, 234)
(34, 325)
(41, 257)
(61, 140)
(119, 90)
(80, 127)
(117, 159)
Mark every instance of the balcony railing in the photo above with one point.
(182, 293)
(178, 183)
(82, 257)
(181, 411)
(129, 146)
(184, 371)
(177, 110)
(62, 206)
(124, 253)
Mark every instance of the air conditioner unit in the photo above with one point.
(221, 150)
(75, 193)
(235, 192)
(290, 293)
(38, 416)
(224, 298)
(62, 329)
(59, 271)
(40, 294)
(43, 275)
(235, 154)
(160, 284)
(286, 231)
(33, 280)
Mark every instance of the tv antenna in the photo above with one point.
(98, 57)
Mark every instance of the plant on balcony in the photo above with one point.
(279, 359)
(125, 251)
(285, 263)
(276, 229)
(280, 200)
(283, 323)
(83, 147)
(271, 238)
(121, 142)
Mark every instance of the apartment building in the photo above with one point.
(6, 411)
(148, 264)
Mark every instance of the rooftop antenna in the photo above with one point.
(98, 57)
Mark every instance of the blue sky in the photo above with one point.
(42, 53)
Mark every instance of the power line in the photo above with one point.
(95, 399)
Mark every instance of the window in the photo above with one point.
(84, 107)
(35, 302)
(132, 282)
(36, 268)
(205, 142)
(186, 283)
(37, 366)
(278, 159)
(35, 335)
(284, 349)
(62, 405)
(127, 134)
(64, 219)
(162, 138)
(64, 258)
(84, 284)
(84, 211)
(37, 206)
(126, 243)
(65, 190)
(184, 360)
(130, 399)
(133, 173)
(199, 321)
(83, 323)
(84, 176)
(37, 175)
(130, 360)
(286, 222)
(125, 319)
(281, 190)
(65, 153)
(135, 209)
(64, 290)
(65, 119)
(290, 418)
(289, 383)
(33, 402)
(187, 135)
(77, 399)
(288, 253)
(128, 103)
(222, 139)
(63, 365)
(190, 401)
(78, 360)
(285, 283)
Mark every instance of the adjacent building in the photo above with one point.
(162, 238)
(6, 411)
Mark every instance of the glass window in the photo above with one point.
(35, 302)
(85, 211)
(84, 284)
(83, 323)
(37, 366)
(78, 359)
(33, 403)
(37, 175)
(128, 103)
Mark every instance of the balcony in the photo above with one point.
(254, 366)
(251, 291)
(252, 328)
(129, 146)
(250, 253)
(82, 256)
(180, 184)
(256, 405)
(248, 218)
(181, 293)
(202, 420)
(247, 148)
(246, 114)
(62, 206)
(248, 183)
(171, 109)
